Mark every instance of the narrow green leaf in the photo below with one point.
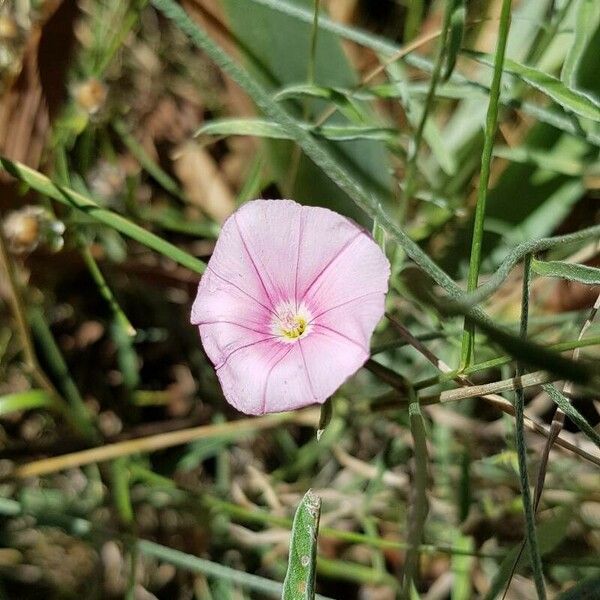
(120, 482)
(461, 565)
(344, 570)
(586, 21)
(419, 502)
(413, 19)
(40, 183)
(10, 403)
(568, 271)
(563, 403)
(341, 97)
(423, 121)
(269, 129)
(78, 410)
(272, 589)
(543, 160)
(346, 133)
(299, 581)
(245, 126)
(571, 100)
(455, 36)
(146, 161)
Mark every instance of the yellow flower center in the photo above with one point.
(291, 323)
(293, 327)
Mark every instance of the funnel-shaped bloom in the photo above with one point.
(288, 304)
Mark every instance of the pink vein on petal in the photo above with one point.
(224, 322)
(237, 287)
(323, 312)
(224, 361)
(332, 260)
(262, 283)
(264, 398)
(310, 385)
(298, 257)
(343, 335)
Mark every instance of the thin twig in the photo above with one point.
(160, 441)
(528, 508)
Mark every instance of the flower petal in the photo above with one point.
(325, 235)
(245, 377)
(329, 359)
(232, 263)
(271, 230)
(355, 319)
(358, 270)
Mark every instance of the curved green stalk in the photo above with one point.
(532, 543)
(491, 123)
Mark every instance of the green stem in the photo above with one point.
(491, 123)
(534, 553)
(78, 411)
(314, 34)
(502, 360)
(105, 291)
(413, 19)
(411, 164)
(120, 478)
(419, 505)
(310, 76)
(486, 289)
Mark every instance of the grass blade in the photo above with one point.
(248, 126)
(340, 97)
(270, 588)
(49, 348)
(419, 508)
(455, 36)
(268, 129)
(411, 161)
(299, 581)
(40, 183)
(528, 509)
(146, 161)
(569, 99)
(586, 21)
(568, 271)
(491, 123)
(28, 400)
(563, 403)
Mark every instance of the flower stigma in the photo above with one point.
(291, 323)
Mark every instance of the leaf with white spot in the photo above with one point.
(299, 581)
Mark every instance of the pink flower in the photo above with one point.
(288, 304)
